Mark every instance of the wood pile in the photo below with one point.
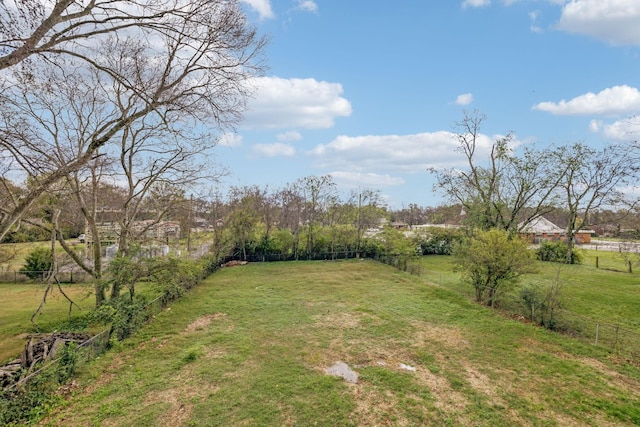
(39, 348)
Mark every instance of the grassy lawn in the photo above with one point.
(250, 345)
(19, 301)
(609, 295)
(12, 255)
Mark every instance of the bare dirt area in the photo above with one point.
(203, 322)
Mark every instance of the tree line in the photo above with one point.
(511, 186)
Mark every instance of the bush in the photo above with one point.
(173, 276)
(492, 261)
(440, 241)
(37, 263)
(556, 251)
(125, 316)
(68, 362)
(542, 302)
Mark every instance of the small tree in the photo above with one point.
(37, 263)
(492, 261)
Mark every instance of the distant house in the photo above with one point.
(541, 229)
(149, 230)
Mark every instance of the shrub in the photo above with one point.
(440, 241)
(125, 315)
(541, 302)
(492, 261)
(556, 251)
(37, 263)
(68, 362)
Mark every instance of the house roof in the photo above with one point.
(540, 225)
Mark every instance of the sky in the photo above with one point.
(369, 91)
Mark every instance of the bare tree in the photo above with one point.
(592, 179)
(69, 27)
(503, 190)
(191, 66)
(291, 203)
(368, 212)
(319, 192)
(152, 156)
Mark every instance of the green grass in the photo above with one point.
(249, 347)
(604, 295)
(12, 255)
(19, 301)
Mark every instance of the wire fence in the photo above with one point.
(73, 276)
(615, 338)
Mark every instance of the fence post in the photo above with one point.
(597, 330)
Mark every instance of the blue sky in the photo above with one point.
(369, 91)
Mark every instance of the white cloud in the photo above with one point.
(273, 150)
(558, 2)
(307, 6)
(368, 180)
(620, 130)
(393, 153)
(289, 136)
(295, 103)
(230, 140)
(615, 100)
(615, 21)
(533, 17)
(464, 99)
(263, 7)
(595, 125)
(475, 3)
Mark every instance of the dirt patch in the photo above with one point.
(614, 378)
(447, 400)
(376, 409)
(215, 354)
(339, 320)
(108, 375)
(448, 337)
(482, 383)
(202, 322)
(179, 409)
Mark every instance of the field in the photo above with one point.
(251, 344)
(19, 301)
